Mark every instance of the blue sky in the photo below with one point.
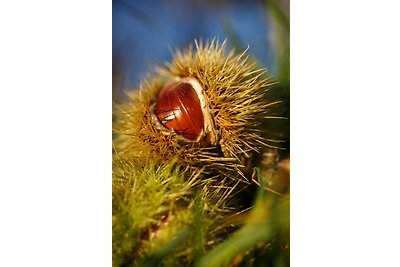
(144, 30)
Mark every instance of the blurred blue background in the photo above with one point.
(145, 31)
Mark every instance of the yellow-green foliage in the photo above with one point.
(235, 89)
(262, 241)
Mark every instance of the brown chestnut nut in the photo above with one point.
(182, 108)
(178, 109)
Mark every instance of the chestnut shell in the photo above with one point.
(178, 109)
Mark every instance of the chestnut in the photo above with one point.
(182, 109)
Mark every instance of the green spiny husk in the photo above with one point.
(235, 90)
(152, 203)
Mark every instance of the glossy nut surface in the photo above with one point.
(178, 109)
